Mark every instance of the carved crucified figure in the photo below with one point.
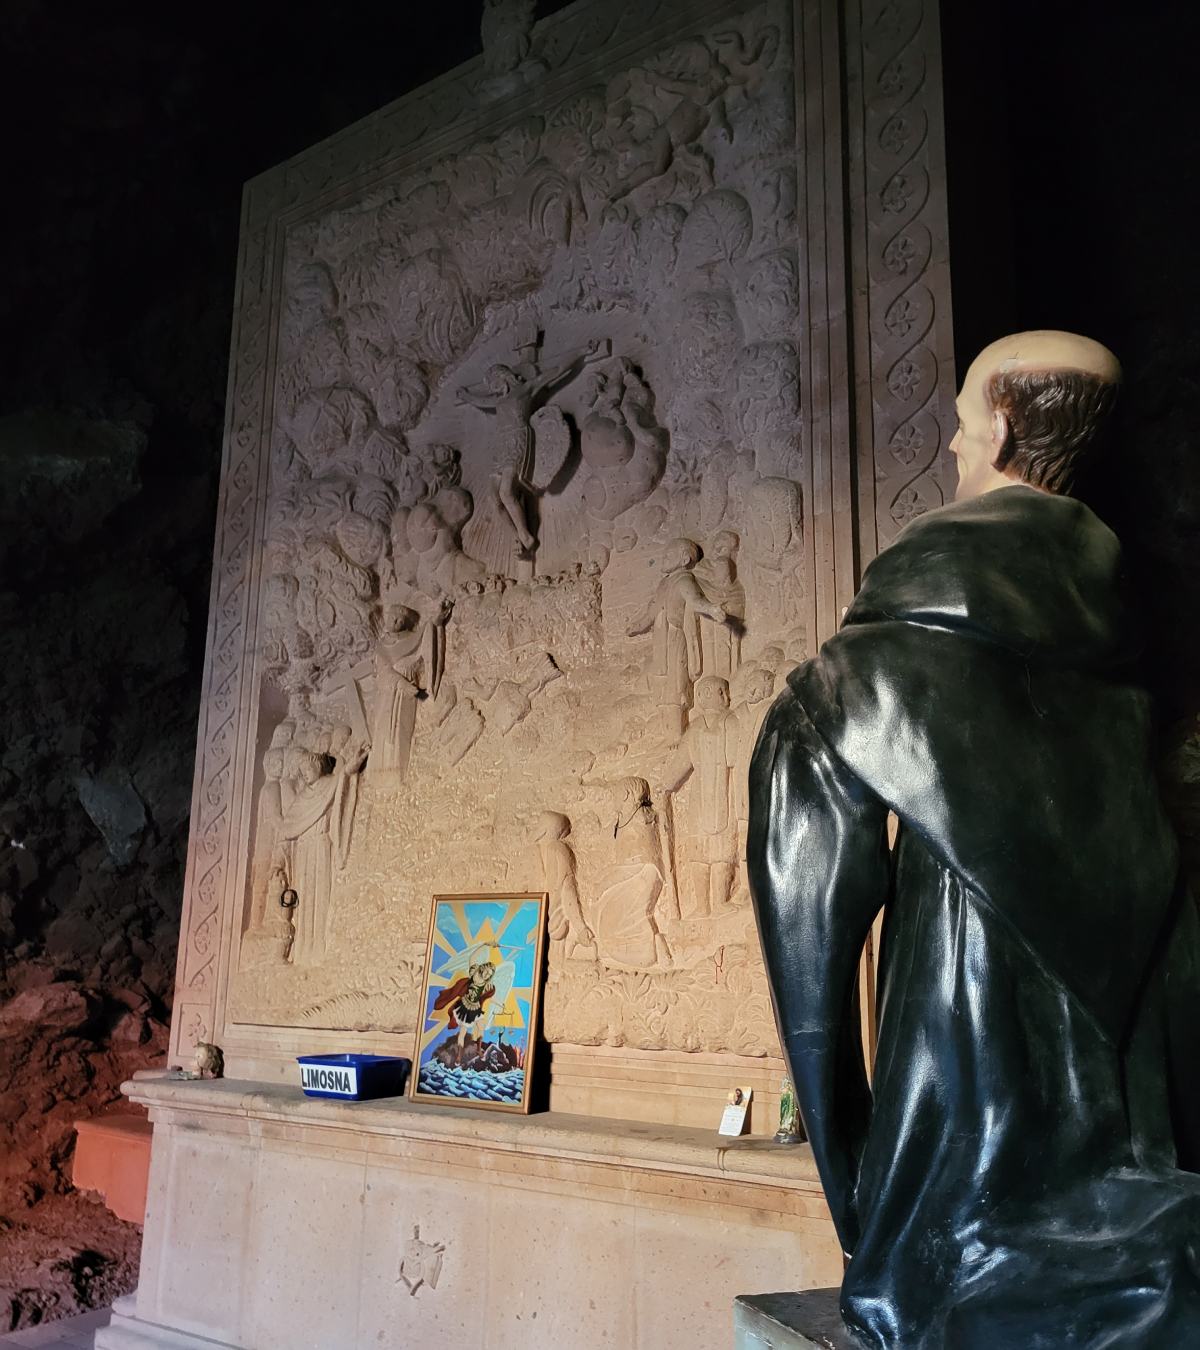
(513, 394)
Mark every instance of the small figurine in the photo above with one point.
(789, 1115)
(209, 1062)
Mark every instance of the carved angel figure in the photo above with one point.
(657, 115)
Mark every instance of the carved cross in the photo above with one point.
(349, 682)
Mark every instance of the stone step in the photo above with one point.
(805, 1321)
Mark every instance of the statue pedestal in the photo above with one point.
(804, 1321)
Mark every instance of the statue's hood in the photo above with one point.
(1034, 573)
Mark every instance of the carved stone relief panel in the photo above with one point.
(529, 401)
(532, 494)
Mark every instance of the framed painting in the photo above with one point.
(480, 998)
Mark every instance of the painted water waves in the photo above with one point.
(479, 1000)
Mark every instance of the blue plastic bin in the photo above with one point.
(353, 1078)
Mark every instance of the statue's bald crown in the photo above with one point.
(1049, 349)
(1055, 391)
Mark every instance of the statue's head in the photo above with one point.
(680, 553)
(455, 505)
(712, 693)
(595, 386)
(1030, 408)
(723, 544)
(501, 379)
(424, 526)
(397, 617)
(310, 766)
(771, 656)
(283, 734)
(273, 765)
(446, 464)
(632, 792)
(757, 683)
(552, 825)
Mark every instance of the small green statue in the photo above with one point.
(789, 1114)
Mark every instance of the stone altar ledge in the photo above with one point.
(590, 1139)
(809, 1320)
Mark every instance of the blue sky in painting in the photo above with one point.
(519, 938)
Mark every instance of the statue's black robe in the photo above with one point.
(1021, 1172)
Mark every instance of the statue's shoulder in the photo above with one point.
(1012, 512)
(785, 713)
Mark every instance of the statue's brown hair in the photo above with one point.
(1054, 418)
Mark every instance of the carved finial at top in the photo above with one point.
(506, 30)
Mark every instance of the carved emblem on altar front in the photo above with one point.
(421, 1264)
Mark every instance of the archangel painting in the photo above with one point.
(480, 1000)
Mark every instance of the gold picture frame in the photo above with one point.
(481, 995)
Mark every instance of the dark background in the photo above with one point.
(1073, 191)
(129, 130)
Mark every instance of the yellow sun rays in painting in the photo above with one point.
(483, 943)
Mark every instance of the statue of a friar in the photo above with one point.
(1022, 1170)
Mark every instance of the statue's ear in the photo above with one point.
(1000, 429)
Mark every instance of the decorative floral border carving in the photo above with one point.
(897, 135)
(206, 882)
